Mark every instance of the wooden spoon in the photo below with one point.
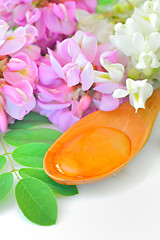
(101, 144)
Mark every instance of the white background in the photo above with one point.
(124, 207)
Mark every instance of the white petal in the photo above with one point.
(155, 63)
(155, 21)
(138, 40)
(115, 71)
(154, 41)
(120, 93)
(142, 61)
(124, 43)
(141, 18)
(137, 100)
(101, 77)
(133, 86)
(144, 93)
(148, 60)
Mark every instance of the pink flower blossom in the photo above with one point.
(22, 37)
(15, 101)
(70, 85)
(42, 15)
(87, 5)
(20, 67)
(103, 98)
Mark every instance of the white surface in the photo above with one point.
(125, 207)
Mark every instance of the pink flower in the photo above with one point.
(13, 42)
(80, 71)
(103, 98)
(3, 117)
(63, 17)
(87, 5)
(19, 68)
(15, 101)
(10, 43)
(19, 100)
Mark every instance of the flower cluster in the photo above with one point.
(139, 38)
(54, 20)
(78, 78)
(18, 73)
(63, 60)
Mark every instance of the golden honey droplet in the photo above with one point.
(83, 157)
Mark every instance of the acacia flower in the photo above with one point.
(139, 38)
(69, 86)
(139, 91)
(15, 101)
(20, 67)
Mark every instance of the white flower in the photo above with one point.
(139, 37)
(139, 91)
(115, 71)
(147, 60)
(153, 10)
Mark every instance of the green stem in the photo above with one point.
(7, 154)
(14, 170)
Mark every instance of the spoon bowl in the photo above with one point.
(100, 144)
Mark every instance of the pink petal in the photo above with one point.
(80, 59)
(25, 87)
(67, 49)
(72, 74)
(47, 74)
(59, 11)
(66, 120)
(3, 29)
(73, 77)
(107, 88)
(70, 7)
(11, 93)
(87, 76)
(3, 120)
(33, 15)
(55, 65)
(111, 56)
(16, 64)
(88, 44)
(31, 34)
(14, 44)
(19, 12)
(101, 49)
(33, 51)
(50, 18)
(19, 111)
(68, 28)
(87, 5)
(108, 103)
(53, 106)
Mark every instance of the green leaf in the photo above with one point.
(37, 201)
(31, 155)
(6, 183)
(29, 121)
(41, 175)
(104, 2)
(23, 136)
(2, 161)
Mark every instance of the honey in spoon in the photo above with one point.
(100, 144)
